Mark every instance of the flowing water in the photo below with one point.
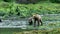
(23, 23)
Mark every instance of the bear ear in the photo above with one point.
(33, 15)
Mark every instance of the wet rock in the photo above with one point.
(0, 20)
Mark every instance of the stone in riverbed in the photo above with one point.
(0, 20)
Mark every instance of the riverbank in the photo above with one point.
(54, 31)
(52, 28)
(48, 27)
(26, 10)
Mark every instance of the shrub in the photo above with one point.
(2, 13)
(8, 0)
(57, 1)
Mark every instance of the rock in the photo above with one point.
(0, 20)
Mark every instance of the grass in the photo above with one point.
(51, 17)
(24, 9)
(55, 31)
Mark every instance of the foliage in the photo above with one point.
(56, 1)
(9, 0)
(12, 9)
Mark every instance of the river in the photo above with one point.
(23, 23)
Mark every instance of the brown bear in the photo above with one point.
(30, 20)
(35, 18)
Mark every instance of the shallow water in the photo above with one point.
(23, 23)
